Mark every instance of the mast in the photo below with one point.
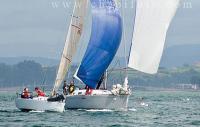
(72, 40)
(106, 79)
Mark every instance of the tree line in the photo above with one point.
(25, 73)
(32, 73)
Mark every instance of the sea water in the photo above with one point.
(146, 109)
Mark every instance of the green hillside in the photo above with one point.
(32, 73)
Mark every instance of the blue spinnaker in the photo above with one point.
(104, 42)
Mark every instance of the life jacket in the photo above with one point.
(40, 93)
(71, 89)
(88, 91)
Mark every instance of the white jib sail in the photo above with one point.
(72, 40)
(152, 21)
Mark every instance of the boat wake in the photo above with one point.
(100, 110)
(132, 109)
(37, 111)
(107, 110)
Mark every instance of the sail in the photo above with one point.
(104, 42)
(152, 21)
(72, 40)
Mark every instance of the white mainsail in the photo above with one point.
(72, 40)
(152, 21)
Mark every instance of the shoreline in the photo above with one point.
(18, 88)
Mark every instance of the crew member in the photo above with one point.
(25, 93)
(65, 88)
(39, 92)
(88, 91)
(71, 87)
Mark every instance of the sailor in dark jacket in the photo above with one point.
(65, 88)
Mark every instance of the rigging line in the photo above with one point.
(124, 35)
(111, 70)
(133, 30)
(120, 69)
(45, 76)
(121, 75)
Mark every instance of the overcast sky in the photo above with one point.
(38, 28)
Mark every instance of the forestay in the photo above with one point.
(152, 21)
(72, 40)
(104, 42)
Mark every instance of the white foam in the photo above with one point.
(144, 104)
(132, 109)
(37, 111)
(99, 110)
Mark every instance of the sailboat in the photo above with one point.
(104, 42)
(57, 104)
(152, 21)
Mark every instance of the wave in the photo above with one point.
(9, 111)
(196, 122)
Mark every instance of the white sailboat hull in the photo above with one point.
(97, 102)
(39, 104)
(101, 101)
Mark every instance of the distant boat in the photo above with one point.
(151, 24)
